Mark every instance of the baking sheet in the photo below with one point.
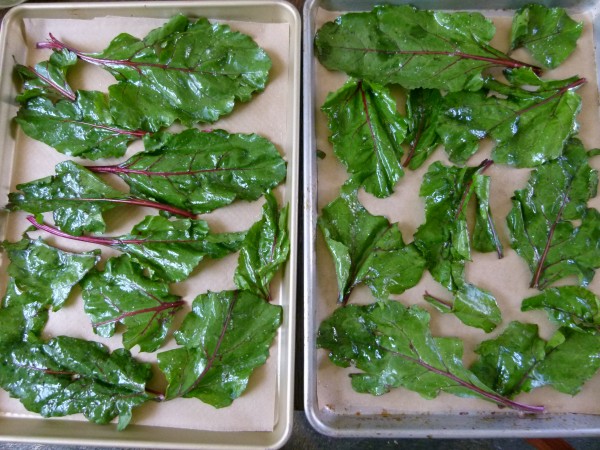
(272, 113)
(331, 404)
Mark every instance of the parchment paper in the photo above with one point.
(265, 114)
(508, 278)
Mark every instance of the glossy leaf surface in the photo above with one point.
(423, 107)
(47, 78)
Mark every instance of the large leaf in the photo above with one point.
(569, 306)
(187, 71)
(201, 171)
(265, 249)
(68, 375)
(47, 78)
(122, 293)
(367, 132)
(367, 249)
(529, 127)
(392, 347)
(423, 107)
(549, 34)
(411, 47)
(541, 221)
(225, 337)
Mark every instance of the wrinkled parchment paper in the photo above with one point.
(508, 279)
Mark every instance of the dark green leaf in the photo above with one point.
(225, 337)
(47, 78)
(367, 249)
(541, 220)
(122, 293)
(69, 375)
(549, 34)
(265, 248)
(485, 238)
(423, 107)
(201, 171)
(411, 47)
(367, 132)
(393, 347)
(569, 306)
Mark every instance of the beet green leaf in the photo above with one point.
(225, 337)
(47, 78)
(169, 249)
(201, 171)
(367, 132)
(393, 347)
(265, 248)
(68, 376)
(569, 306)
(549, 34)
(529, 127)
(541, 221)
(367, 249)
(187, 71)
(122, 293)
(411, 47)
(423, 107)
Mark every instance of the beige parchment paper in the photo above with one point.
(508, 278)
(265, 114)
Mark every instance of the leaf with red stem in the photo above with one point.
(77, 198)
(47, 78)
(392, 346)
(224, 339)
(542, 221)
(187, 71)
(122, 293)
(411, 47)
(169, 249)
(201, 171)
(422, 111)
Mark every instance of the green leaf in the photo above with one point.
(549, 34)
(411, 47)
(393, 347)
(529, 127)
(541, 220)
(187, 71)
(122, 293)
(569, 306)
(423, 107)
(82, 126)
(224, 339)
(47, 78)
(202, 171)
(265, 249)
(485, 238)
(68, 375)
(367, 132)
(367, 249)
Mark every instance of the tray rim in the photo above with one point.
(16, 429)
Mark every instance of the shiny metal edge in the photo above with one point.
(404, 426)
(50, 431)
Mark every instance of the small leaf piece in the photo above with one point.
(367, 132)
(541, 220)
(265, 248)
(224, 339)
(393, 347)
(367, 249)
(68, 375)
(121, 293)
(549, 34)
(423, 107)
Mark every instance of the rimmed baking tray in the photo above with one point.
(273, 113)
(331, 407)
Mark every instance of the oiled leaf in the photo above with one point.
(549, 34)
(423, 107)
(68, 376)
(541, 220)
(392, 347)
(367, 249)
(265, 249)
(411, 47)
(47, 78)
(224, 339)
(122, 293)
(367, 132)
(201, 171)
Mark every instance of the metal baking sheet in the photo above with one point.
(283, 88)
(379, 416)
